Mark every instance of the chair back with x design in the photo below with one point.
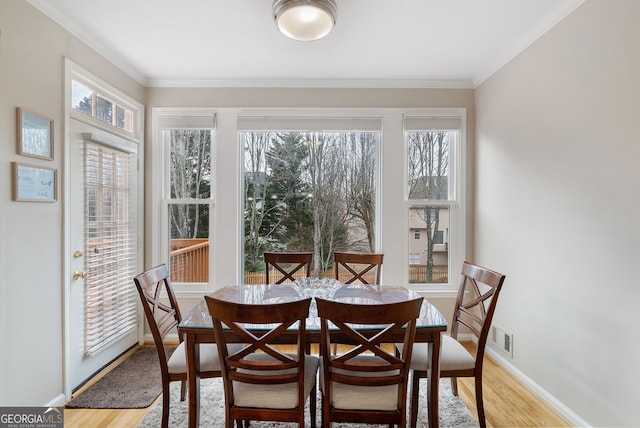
(368, 382)
(283, 267)
(261, 382)
(475, 305)
(365, 268)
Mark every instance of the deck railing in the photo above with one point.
(189, 260)
(418, 274)
(190, 263)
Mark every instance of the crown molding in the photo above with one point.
(310, 83)
(113, 57)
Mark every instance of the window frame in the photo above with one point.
(161, 191)
(323, 122)
(99, 89)
(226, 231)
(456, 201)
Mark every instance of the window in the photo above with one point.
(307, 180)
(309, 190)
(188, 196)
(102, 106)
(433, 204)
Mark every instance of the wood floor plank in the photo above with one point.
(507, 401)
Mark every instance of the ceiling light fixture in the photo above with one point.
(305, 20)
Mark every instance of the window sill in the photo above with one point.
(435, 291)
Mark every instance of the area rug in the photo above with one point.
(453, 412)
(133, 384)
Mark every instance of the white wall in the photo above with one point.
(32, 48)
(557, 208)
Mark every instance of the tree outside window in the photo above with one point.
(308, 191)
(189, 204)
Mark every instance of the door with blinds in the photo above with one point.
(104, 246)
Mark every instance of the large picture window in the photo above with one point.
(308, 191)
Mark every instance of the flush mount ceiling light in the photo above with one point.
(305, 20)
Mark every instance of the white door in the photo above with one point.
(103, 244)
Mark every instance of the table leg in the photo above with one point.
(434, 381)
(193, 379)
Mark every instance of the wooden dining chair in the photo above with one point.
(474, 309)
(281, 267)
(367, 383)
(163, 318)
(365, 268)
(261, 383)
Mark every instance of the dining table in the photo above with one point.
(196, 326)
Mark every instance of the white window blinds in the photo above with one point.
(111, 242)
(435, 123)
(312, 124)
(186, 122)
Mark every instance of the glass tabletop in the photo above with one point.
(330, 289)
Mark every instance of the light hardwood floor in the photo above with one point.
(508, 403)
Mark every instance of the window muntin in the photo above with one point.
(309, 191)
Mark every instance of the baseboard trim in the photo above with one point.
(57, 401)
(548, 398)
(170, 339)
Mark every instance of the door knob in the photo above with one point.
(78, 274)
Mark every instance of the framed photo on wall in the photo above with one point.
(35, 135)
(34, 183)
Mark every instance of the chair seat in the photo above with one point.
(453, 356)
(353, 397)
(209, 360)
(283, 396)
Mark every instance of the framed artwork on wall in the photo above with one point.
(34, 135)
(34, 183)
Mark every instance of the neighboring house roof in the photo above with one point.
(428, 187)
